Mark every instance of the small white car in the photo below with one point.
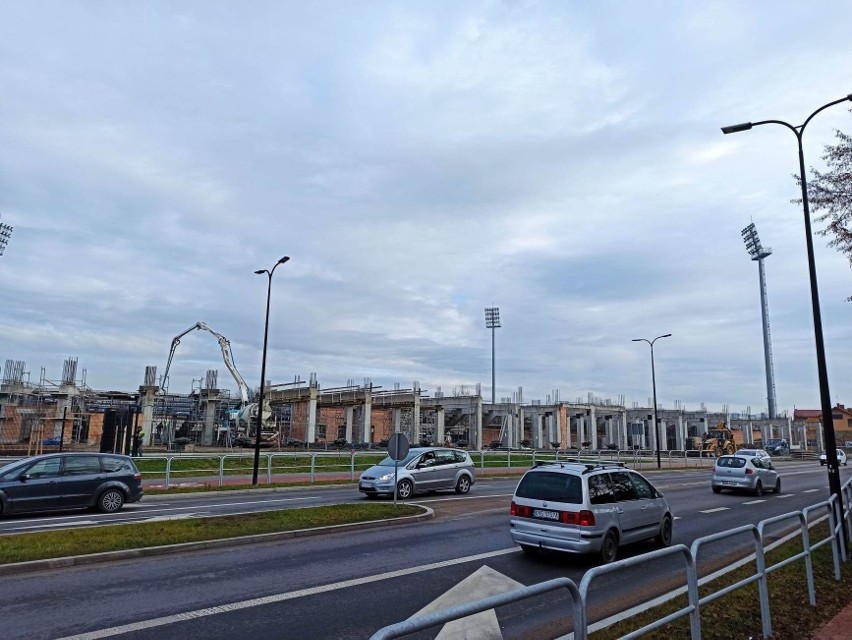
(746, 473)
(841, 458)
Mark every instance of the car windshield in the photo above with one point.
(775, 441)
(389, 462)
(9, 469)
(747, 452)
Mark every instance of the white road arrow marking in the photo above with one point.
(482, 583)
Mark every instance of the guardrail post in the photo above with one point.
(762, 585)
(168, 472)
(313, 465)
(221, 470)
(352, 464)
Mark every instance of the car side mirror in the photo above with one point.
(24, 477)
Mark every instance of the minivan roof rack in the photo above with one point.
(603, 465)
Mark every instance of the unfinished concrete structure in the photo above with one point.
(364, 414)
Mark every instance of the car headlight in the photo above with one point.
(386, 476)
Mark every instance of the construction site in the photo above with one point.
(37, 416)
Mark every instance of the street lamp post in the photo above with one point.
(263, 367)
(492, 321)
(825, 396)
(654, 391)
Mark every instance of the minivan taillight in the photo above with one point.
(749, 472)
(586, 518)
(137, 476)
(520, 511)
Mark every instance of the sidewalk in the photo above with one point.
(840, 627)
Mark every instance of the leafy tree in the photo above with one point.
(830, 195)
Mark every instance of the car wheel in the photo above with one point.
(529, 549)
(777, 486)
(822, 463)
(404, 489)
(758, 488)
(110, 501)
(609, 548)
(664, 538)
(717, 489)
(463, 485)
(371, 496)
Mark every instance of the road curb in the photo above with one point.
(129, 554)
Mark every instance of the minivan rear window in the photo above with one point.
(732, 462)
(556, 487)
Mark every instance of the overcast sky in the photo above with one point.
(419, 162)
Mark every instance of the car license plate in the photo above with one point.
(367, 485)
(728, 482)
(545, 515)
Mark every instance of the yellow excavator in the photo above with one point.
(719, 440)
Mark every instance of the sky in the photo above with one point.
(419, 162)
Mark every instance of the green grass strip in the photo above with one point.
(72, 542)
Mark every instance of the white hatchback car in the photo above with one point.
(841, 457)
(746, 473)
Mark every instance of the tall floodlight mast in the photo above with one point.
(5, 234)
(758, 252)
(492, 321)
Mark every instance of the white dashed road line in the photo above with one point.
(714, 510)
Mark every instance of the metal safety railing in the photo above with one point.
(839, 515)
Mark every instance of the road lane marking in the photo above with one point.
(810, 490)
(281, 597)
(786, 495)
(714, 510)
(754, 501)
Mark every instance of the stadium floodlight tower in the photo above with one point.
(5, 234)
(492, 321)
(758, 252)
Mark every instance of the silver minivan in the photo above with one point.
(423, 469)
(587, 509)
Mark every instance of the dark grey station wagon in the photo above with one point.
(58, 481)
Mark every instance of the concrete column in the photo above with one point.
(311, 428)
(622, 428)
(581, 430)
(440, 435)
(147, 395)
(787, 430)
(680, 435)
(415, 418)
(396, 416)
(652, 433)
(538, 431)
(820, 438)
(349, 412)
(593, 421)
(208, 433)
(368, 414)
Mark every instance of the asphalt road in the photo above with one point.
(350, 585)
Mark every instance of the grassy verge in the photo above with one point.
(58, 544)
(737, 615)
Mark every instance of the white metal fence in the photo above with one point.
(837, 513)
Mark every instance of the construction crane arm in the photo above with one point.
(225, 345)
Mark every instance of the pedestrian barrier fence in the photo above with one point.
(839, 518)
(175, 466)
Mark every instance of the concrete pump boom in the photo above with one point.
(225, 345)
